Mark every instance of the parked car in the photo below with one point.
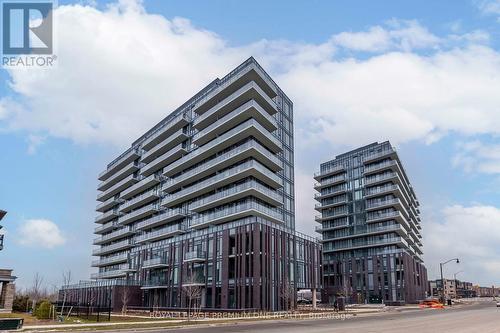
(498, 304)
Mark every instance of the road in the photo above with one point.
(480, 318)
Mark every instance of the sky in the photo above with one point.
(424, 75)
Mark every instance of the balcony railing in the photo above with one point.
(333, 192)
(381, 190)
(221, 158)
(111, 202)
(107, 216)
(164, 159)
(382, 203)
(153, 136)
(380, 178)
(141, 185)
(155, 262)
(364, 243)
(196, 255)
(117, 187)
(138, 200)
(113, 166)
(377, 216)
(164, 232)
(136, 214)
(237, 210)
(114, 235)
(378, 154)
(207, 149)
(208, 183)
(330, 181)
(334, 168)
(110, 260)
(164, 217)
(379, 166)
(241, 109)
(252, 184)
(113, 247)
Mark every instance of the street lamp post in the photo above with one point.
(456, 283)
(442, 279)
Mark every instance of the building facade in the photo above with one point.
(453, 289)
(370, 227)
(206, 199)
(7, 287)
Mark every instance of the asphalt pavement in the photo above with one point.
(481, 318)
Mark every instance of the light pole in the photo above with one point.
(441, 264)
(456, 283)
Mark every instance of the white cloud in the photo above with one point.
(478, 157)
(400, 35)
(470, 233)
(34, 141)
(40, 233)
(132, 68)
(489, 7)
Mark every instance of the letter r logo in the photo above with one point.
(27, 27)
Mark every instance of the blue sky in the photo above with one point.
(424, 75)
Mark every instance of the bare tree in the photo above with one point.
(288, 294)
(36, 290)
(192, 289)
(66, 281)
(125, 298)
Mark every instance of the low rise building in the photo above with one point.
(7, 287)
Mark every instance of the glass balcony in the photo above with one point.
(117, 188)
(115, 259)
(142, 199)
(195, 256)
(330, 182)
(247, 129)
(333, 192)
(165, 131)
(119, 246)
(163, 218)
(108, 204)
(138, 214)
(158, 262)
(377, 155)
(222, 122)
(331, 226)
(122, 271)
(248, 188)
(325, 216)
(127, 157)
(237, 211)
(122, 173)
(244, 170)
(249, 148)
(105, 227)
(357, 244)
(164, 160)
(120, 233)
(371, 168)
(369, 231)
(108, 216)
(330, 204)
(329, 171)
(165, 232)
(141, 186)
(234, 81)
(175, 139)
(371, 205)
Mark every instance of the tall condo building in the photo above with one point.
(206, 198)
(370, 226)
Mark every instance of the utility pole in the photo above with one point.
(442, 279)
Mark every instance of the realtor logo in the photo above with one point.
(27, 27)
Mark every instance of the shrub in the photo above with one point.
(21, 303)
(43, 310)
